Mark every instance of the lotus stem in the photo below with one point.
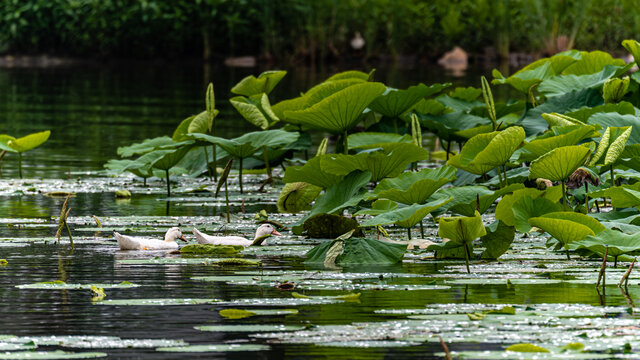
(215, 164)
(615, 262)
(266, 161)
(409, 233)
(466, 257)
(602, 273)
(564, 194)
(421, 229)
(144, 182)
(168, 184)
(506, 181)
(567, 252)
(20, 164)
(625, 277)
(500, 178)
(226, 195)
(613, 183)
(2, 154)
(206, 159)
(345, 143)
(395, 125)
(448, 148)
(240, 175)
(586, 197)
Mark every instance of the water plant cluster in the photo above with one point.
(551, 160)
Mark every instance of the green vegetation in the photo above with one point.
(314, 30)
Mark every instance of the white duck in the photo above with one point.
(263, 230)
(139, 243)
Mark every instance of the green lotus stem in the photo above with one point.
(266, 161)
(215, 164)
(506, 181)
(567, 252)
(2, 154)
(395, 125)
(613, 183)
(409, 233)
(586, 197)
(448, 148)
(421, 229)
(206, 159)
(615, 261)
(345, 143)
(500, 178)
(20, 164)
(168, 184)
(240, 175)
(226, 195)
(466, 257)
(564, 194)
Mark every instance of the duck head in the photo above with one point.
(266, 229)
(173, 234)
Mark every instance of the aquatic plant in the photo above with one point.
(20, 145)
(462, 230)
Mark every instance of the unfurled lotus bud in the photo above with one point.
(614, 89)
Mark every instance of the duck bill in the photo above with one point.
(274, 232)
(182, 238)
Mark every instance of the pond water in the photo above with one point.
(399, 313)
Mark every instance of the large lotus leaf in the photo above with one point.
(264, 83)
(141, 169)
(429, 107)
(326, 89)
(611, 146)
(562, 84)
(194, 162)
(389, 162)
(617, 120)
(351, 74)
(283, 106)
(592, 62)
(447, 126)
(617, 242)
(250, 143)
(4, 142)
(339, 112)
(457, 104)
(372, 140)
(170, 157)
(467, 94)
(296, 197)
(504, 209)
(346, 193)
(543, 144)
(532, 121)
(144, 147)
(461, 194)
(408, 216)
(527, 207)
(378, 207)
(256, 109)
(567, 227)
(311, 173)
(183, 129)
(632, 47)
(414, 187)
(526, 78)
(559, 163)
(28, 142)
(356, 251)
(497, 240)
(327, 226)
(482, 203)
(202, 123)
(583, 115)
(461, 229)
(394, 102)
(621, 196)
(500, 148)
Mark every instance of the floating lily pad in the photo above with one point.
(216, 348)
(58, 354)
(156, 302)
(54, 285)
(249, 328)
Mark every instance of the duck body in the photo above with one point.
(263, 230)
(139, 243)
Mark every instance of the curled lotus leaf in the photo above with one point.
(264, 83)
(611, 145)
(28, 142)
(461, 229)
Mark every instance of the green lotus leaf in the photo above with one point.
(372, 140)
(504, 209)
(567, 227)
(447, 126)
(526, 348)
(583, 114)
(461, 195)
(559, 163)
(169, 158)
(614, 89)
(250, 143)
(28, 142)
(201, 123)
(527, 207)
(183, 128)
(296, 197)
(340, 111)
(562, 84)
(526, 78)
(256, 109)
(311, 173)
(408, 216)
(144, 147)
(264, 83)
(49, 355)
(352, 74)
(459, 105)
(633, 47)
(497, 240)
(617, 242)
(414, 187)
(611, 146)
(532, 121)
(621, 196)
(484, 152)
(467, 94)
(356, 251)
(380, 206)
(327, 226)
(606, 120)
(389, 162)
(461, 229)
(394, 102)
(429, 107)
(592, 62)
(4, 142)
(543, 144)
(482, 203)
(141, 169)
